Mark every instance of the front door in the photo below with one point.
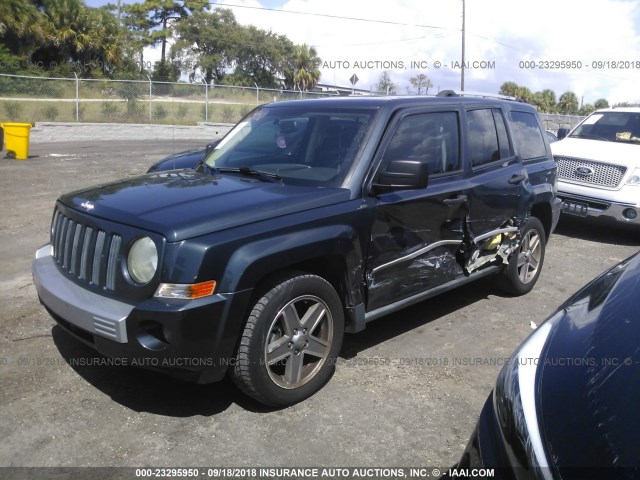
(416, 233)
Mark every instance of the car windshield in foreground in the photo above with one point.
(621, 127)
(312, 146)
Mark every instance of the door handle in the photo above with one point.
(460, 199)
(517, 179)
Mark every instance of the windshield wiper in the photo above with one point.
(250, 172)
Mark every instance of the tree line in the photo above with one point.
(545, 100)
(66, 37)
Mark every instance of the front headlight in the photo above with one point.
(515, 401)
(634, 179)
(142, 262)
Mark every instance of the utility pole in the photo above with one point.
(462, 69)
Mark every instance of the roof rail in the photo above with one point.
(453, 93)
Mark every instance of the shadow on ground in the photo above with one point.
(147, 391)
(417, 316)
(598, 232)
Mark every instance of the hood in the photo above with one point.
(184, 204)
(588, 385)
(618, 153)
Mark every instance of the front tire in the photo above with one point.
(521, 274)
(290, 342)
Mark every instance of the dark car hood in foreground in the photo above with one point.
(184, 204)
(589, 385)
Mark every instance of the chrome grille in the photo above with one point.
(604, 174)
(84, 252)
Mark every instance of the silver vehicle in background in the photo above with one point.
(599, 167)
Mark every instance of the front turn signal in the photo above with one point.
(187, 291)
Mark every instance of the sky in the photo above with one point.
(506, 40)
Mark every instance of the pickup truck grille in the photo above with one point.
(596, 173)
(86, 253)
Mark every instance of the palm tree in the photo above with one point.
(306, 73)
(510, 89)
(568, 103)
(19, 16)
(67, 19)
(21, 26)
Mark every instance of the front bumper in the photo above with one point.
(194, 340)
(599, 209)
(86, 310)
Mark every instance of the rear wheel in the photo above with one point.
(523, 270)
(290, 342)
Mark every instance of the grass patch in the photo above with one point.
(120, 111)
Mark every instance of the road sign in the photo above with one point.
(354, 79)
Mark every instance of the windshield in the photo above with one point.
(301, 145)
(611, 127)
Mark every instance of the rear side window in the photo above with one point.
(483, 137)
(528, 134)
(430, 138)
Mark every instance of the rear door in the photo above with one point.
(416, 233)
(498, 187)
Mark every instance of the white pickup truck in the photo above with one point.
(599, 167)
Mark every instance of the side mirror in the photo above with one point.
(403, 175)
(562, 133)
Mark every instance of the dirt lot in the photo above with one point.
(407, 391)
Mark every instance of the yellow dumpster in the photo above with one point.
(16, 140)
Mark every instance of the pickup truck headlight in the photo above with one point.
(634, 179)
(142, 262)
(515, 400)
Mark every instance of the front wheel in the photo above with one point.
(290, 342)
(523, 270)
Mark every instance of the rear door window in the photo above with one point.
(483, 137)
(528, 135)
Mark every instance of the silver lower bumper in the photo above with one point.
(86, 310)
(595, 208)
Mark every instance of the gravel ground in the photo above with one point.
(45, 132)
(407, 391)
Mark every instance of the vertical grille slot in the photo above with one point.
(97, 258)
(114, 250)
(84, 258)
(75, 249)
(89, 254)
(68, 244)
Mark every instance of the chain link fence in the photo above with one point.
(37, 99)
(554, 121)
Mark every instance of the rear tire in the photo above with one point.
(525, 264)
(290, 342)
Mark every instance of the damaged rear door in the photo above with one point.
(498, 194)
(417, 233)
